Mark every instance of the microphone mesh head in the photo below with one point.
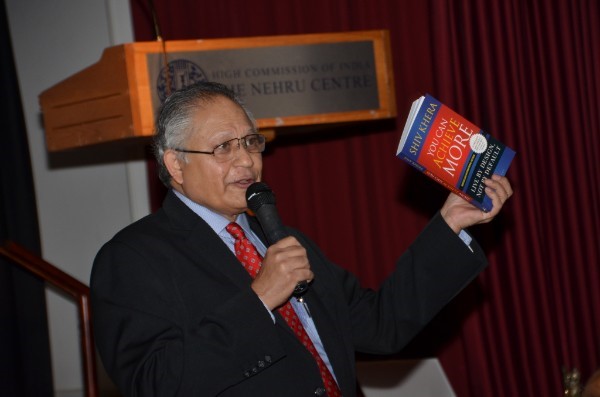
(259, 194)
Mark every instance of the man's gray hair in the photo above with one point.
(174, 121)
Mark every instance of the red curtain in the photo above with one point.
(527, 73)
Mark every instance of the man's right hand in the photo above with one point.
(284, 266)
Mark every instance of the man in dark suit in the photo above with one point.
(177, 314)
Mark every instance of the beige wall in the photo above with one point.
(81, 203)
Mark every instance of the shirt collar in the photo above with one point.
(216, 221)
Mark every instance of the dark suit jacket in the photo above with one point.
(174, 314)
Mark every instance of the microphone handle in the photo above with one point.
(274, 236)
(275, 231)
(300, 288)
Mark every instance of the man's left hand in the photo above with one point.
(459, 214)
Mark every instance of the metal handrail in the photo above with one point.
(71, 286)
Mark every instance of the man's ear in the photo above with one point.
(174, 166)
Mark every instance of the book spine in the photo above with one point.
(410, 161)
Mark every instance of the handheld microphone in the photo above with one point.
(261, 201)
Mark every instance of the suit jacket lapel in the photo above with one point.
(203, 245)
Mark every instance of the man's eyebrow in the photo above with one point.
(228, 137)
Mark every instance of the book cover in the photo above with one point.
(452, 150)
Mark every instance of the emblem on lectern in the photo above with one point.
(176, 75)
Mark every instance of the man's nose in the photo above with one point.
(241, 154)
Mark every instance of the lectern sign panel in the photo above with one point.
(286, 81)
(278, 81)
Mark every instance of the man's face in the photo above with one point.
(219, 186)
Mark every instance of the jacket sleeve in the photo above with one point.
(434, 269)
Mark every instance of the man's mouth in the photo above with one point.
(245, 182)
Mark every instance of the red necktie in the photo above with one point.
(251, 260)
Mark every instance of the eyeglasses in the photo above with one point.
(253, 143)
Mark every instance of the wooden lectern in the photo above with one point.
(286, 81)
